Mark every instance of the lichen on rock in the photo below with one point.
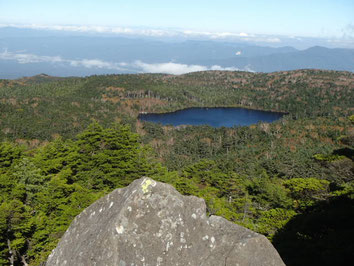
(150, 223)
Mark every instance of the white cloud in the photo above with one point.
(169, 68)
(348, 32)
(29, 58)
(345, 43)
(272, 40)
(137, 66)
(243, 34)
(149, 32)
(249, 69)
(177, 69)
(295, 38)
(94, 63)
(24, 58)
(216, 35)
(96, 29)
(216, 67)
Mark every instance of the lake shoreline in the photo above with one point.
(212, 116)
(173, 110)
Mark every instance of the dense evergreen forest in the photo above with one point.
(68, 141)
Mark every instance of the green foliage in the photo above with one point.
(329, 158)
(273, 220)
(9, 153)
(266, 177)
(65, 106)
(108, 157)
(43, 190)
(351, 118)
(205, 172)
(306, 191)
(269, 192)
(15, 228)
(346, 190)
(28, 175)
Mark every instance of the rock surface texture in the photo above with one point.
(150, 223)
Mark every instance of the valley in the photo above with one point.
(68, 141)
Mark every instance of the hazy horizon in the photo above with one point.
(89, 37)
(330, 21)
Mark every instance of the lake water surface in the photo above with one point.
(215, 117)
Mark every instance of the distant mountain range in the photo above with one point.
(27, 52)
(315, 57)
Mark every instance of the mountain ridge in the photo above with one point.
(61, 54)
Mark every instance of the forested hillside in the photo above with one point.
(30, 107)
(68, 141)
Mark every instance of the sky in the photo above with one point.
(307, 18)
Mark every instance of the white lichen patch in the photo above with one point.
(120, 229)
(111, 204)
(129, 208)
(212, 239)
(205, 237)
(168, 236)
(194, 216)
(159, 260)
(174, 224)
(139, 214)
(182, 239)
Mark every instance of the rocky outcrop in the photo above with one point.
(150, 223)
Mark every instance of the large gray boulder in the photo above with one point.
(150, 223)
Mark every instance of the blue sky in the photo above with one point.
(311, 18)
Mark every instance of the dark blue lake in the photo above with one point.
(215, 117)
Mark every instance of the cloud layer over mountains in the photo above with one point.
(347, 40)
(136, 66)
(26, 52)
